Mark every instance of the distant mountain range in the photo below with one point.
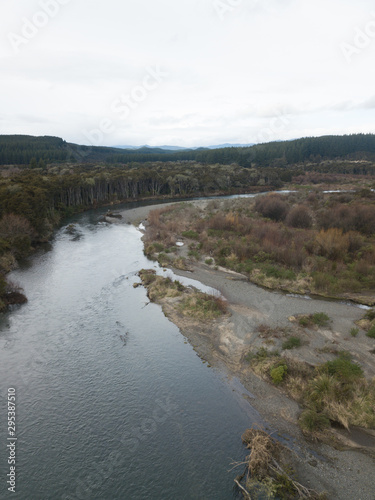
(179, 148)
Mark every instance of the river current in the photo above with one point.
(112, 403)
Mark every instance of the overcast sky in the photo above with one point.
(186, 72)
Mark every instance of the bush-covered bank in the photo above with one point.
(305, 242)
(34, 201)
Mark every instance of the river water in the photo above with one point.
(112, 402)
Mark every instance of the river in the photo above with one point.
(111, 401)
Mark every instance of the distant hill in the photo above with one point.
(23, 150)
(180, 148)
(228, 145)
(166, 148)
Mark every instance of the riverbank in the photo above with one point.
(344, 474)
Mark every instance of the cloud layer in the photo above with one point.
(187, 73)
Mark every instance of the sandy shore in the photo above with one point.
(345, 474)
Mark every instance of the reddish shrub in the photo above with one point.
(355, 241)
(220, 223)
(350, 218)
(364, 219)
(272, 206)
(299, 217)
(339, 216)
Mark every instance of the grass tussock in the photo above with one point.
(318, 319)
(335, 391)
(292, 343)
(367, 323)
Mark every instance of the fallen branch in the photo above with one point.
(246, 493)
(302, 491)
(263, 466)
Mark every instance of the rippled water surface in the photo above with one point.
(112, 403)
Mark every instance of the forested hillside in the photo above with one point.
(38, 151)
(21, 149)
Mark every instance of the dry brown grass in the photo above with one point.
(263, 450)
(268, 473)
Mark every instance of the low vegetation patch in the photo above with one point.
(268, 473)
(159, 287)
(192, 303)
(311, 422)
(317, 319)
(320, 319)
(335, 391)
(354, 332)
(193, 235)
(292, 343)
(203, 306)
(367, 323)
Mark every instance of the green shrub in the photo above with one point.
(193, 235)
(262, 256)
(371, 332)
(194, 254)
(164, 259)
(248, 266)
(322, 281)
(261, 355)
(158, 247)
(292, 343)
(278, 272)
(370, 314)
(354, 332)
(278, 373)
(180, 287)
(209, 262)
(312, 421)
(343, 369)
(304, 321)
(320, 319)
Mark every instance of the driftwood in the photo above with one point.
(246, 494)
(263, 463)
